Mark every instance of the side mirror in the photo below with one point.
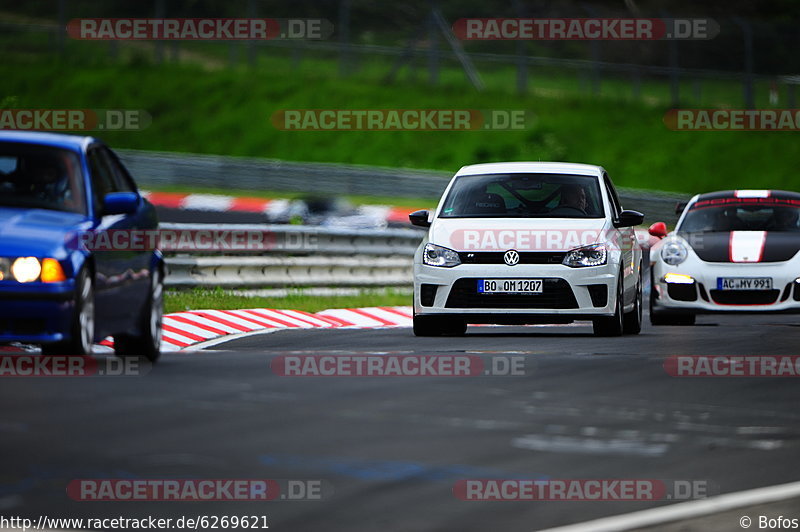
(680, 206)
(658, 229)
(629, 219)
(419, 218)
(120, 203)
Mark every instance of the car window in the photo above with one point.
(102, 177)
(43, 177)
(122, 181)
(612, 195)
(524, 195)
(767, 214)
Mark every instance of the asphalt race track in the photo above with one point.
(391, 449)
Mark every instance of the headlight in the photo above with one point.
(5, 264)
(434, 255)
(673, 253)
(26, 269)
(593, 255)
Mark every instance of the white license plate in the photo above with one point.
(510, 286)
(744, 283)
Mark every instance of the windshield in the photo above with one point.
(734, 214)
(40, 177)
(524, 196)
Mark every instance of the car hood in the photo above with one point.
(744, 246)
(37, 232)
(522, 234)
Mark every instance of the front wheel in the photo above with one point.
(148, 343)
(611, 326)
(668, 318)
(82, 329)
(632, 322)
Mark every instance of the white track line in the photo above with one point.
(686, 510)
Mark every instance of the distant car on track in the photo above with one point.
(522, 243)
(58, 192)
(731, 251)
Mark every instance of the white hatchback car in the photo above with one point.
(518, 243)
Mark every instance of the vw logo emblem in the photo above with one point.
(511, 257)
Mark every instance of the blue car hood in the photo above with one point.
(39, 232)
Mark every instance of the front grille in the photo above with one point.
(427, 293)
(556, 294)
(525, 257)
(599, 294)
(744, 297)
(682, 292)
(796, 292)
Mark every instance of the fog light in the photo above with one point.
(678, 278)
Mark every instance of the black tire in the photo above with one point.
(632, 321)
(438, 326)
(668, 318)
(613, 325)
(148, 343)
(81, 338)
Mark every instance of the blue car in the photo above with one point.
(69, 276)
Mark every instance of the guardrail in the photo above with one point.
(286, 255)
(230, 272)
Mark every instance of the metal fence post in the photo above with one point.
(344, 37)
(160, 13)
(62, 26)
(433, 50)
(747, 87)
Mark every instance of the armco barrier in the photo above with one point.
(304, 256)
(289, 271)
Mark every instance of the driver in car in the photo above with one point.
(573, 199)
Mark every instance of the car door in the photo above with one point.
(115, 262)
(143, 220)
(626, 239)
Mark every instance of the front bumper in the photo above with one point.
(703, 296)
(36, 313)
(567, 293)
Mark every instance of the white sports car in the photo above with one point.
(731, 251)
(515, 243)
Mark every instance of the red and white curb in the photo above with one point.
(184, 329)
(222, 203)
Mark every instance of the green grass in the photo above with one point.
(227, 111)
(218, 299)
